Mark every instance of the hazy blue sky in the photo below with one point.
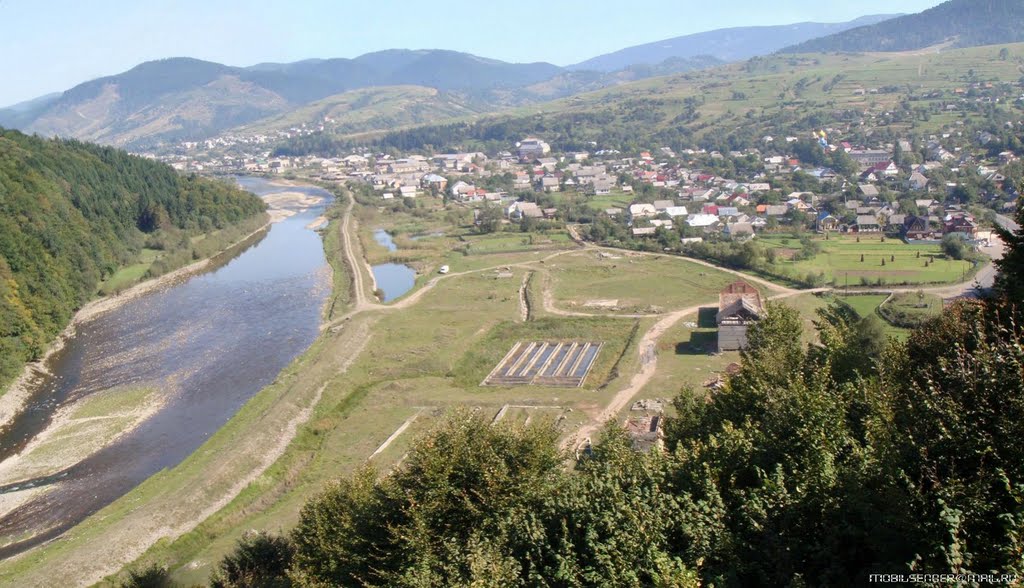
(51, 45)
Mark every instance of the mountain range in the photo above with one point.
(187, 99)
(733, 44)
(958, 23)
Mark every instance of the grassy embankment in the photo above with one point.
(153, 263)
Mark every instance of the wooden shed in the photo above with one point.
(739, 306)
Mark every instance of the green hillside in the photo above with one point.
(371, 109)
(735, 106)
(72, 214)
(961, 23)
(187, 99)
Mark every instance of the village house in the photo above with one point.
(739, 306)
(919, 228)
(531, 148)
(917, 181)
(738, 231)
(826, 222)
(405, 166)
(676, 211)
(867, 223)
(355, 161)
(549, 184)
(894, 223)
(869, 157)
(642, 210)
(520, 210)
(702, 221)
(461, 189)
(884, 169)
(960, 223)
(868, 190)
(602, 186)
(739, 200)
(434, 182)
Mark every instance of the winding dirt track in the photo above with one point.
(648, 365)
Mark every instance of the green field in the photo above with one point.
(130, 274)
(840, 261)
(512, 241)
(614, 200)
(432, 235)
(864, 305)
(588, 281)
(910, 309)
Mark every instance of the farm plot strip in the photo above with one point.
(564, 364)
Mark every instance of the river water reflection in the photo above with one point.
(206, 345)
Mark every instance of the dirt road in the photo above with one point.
(648, 365)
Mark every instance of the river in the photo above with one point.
(206, 345)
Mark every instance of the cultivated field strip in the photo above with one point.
(539, 363)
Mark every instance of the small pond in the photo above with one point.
(394, 279)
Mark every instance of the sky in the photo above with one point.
(51, 45)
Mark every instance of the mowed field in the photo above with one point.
(627, 282)
(840, 261)
(431, 235)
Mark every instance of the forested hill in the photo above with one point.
(963, 23)
(71, 214)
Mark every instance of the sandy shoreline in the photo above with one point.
(71, 437)
(18, 393)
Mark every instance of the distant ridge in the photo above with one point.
(733, 44)
(185, 98)
(962, 23)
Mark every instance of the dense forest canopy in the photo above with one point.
(71, 214)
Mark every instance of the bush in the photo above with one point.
(154, 576)
(954, 247)
(260, 560)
